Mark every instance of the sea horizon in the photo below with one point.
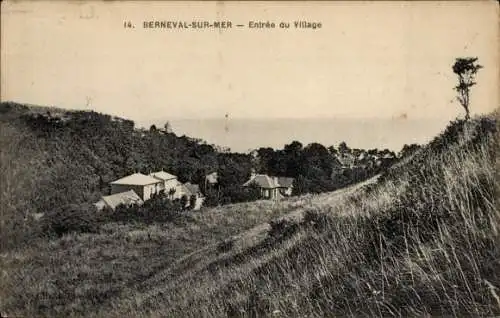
(245, 134)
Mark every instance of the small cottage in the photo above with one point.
(271, 187)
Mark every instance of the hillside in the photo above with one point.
(55, 163)
(421, 239)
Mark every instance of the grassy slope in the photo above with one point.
(424, 240)
(79, 272)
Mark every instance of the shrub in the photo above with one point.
(192, 201)
(71, 218)
(184, 201)
(316, 220)
(156, 209)
(282, 229)
(225, 246)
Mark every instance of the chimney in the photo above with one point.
(275, 180)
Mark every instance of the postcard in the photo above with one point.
(249, 159)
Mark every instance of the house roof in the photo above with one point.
(263, 181)
(127, 197)
(162, 175)
(193, 188)
(183, 190)
(136, 179)
(267, 182)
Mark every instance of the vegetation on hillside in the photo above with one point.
(55, 163)
(422, 240)
(317, 168)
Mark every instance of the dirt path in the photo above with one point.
(198, 259)
(323, 199)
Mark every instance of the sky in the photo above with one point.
(369, 59)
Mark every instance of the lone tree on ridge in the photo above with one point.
(466, 69)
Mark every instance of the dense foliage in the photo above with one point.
(317, 169)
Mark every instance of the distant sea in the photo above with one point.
(243, 135)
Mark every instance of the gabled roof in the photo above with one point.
(136, 179)
(127, 197)
(183, 190)
(263, 181)
(267, 182)
(193, 188)
(162, 175)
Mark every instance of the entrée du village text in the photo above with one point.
(164, 24)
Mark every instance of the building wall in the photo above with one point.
(169, 184)
(274, 193)
(265, 193)
(144, 192)
(149, 190)
(269, 193)
(118, 188)
(180, 191)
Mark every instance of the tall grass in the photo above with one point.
(423, 240)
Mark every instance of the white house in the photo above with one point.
(137, 188)
(168, 181)
(144, 186)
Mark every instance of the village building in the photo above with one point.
(211, 181)
(138, 188)
(212, 178)
(273, 188)
(285, 185)
(188, 190)
(168, 183)
(124, 198)
(193, 189)
(144, 186)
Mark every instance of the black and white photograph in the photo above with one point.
(249, 159)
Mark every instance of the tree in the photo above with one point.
(407, 150)
(167, 127)
(293, 159)
(466, 69)
(171, 193)
(332, 150)
(192, 201)
(343, 148)
(184, 202)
